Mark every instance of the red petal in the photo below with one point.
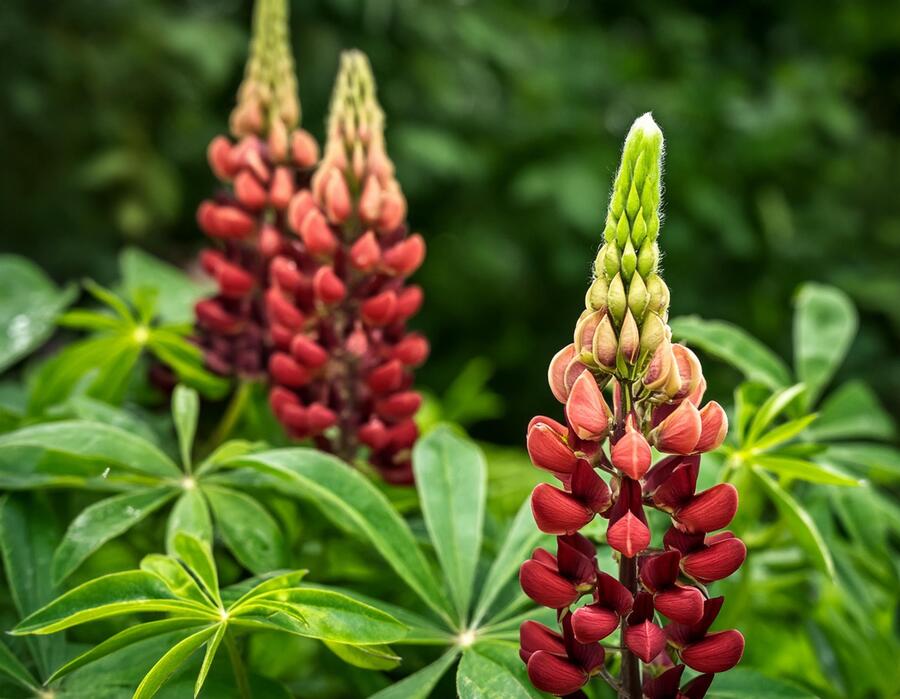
(645, 640)
(594, 622)
(545, 586)
(587, 412)
(589, 488)
(631, 454)
(557, 372)
(710, 510)
(714, 423)
(680, 603)
(550, 673)
(717, 561)
(405, 257)
(666, 685)
(534, 636)
(680, 431)
(548, 450)
(288, 372)
(717, 652)
(614, 594)
(379, 310)
(697, 687)
(660, 571)
(629, 535)
(558, 512)
(365, 252)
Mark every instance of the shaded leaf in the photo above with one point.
(208, 658)
(493, 671)
(853, 411)
(420, 684)
(191, 516)
(772, 408)
(374, 657)
(805, 470)
(249, 531)
(185, 409)
(743, 683)
(175, 292)
(197, 555)
(170, 662)
(13, 668)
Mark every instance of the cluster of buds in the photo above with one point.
(338, 302)
(269, 160)
(657, 391)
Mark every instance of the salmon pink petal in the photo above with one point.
(558, 512)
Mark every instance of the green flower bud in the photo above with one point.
(595, 299)
(639, 230)
(623, 230)
(629, 342)
(611, 261)
(653, 332)
(659, 295)
(628, 261)
(617, 300)
(647, 258)
(605, 344)
(638, 298)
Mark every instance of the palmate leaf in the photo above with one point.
(853, 411)
(171, 661)
(102, 521)
(805, 470)
(742, 683)
(776, 404)
(420, 684)
(782, 433)
(374, 657)
(197, 555)
(247, 528)
(176, 577)
(13, 668)
(185, 410)
(211, 647)
(190, 515)
(493, 670)
(451, 478)
(877, 460)
(343, 493)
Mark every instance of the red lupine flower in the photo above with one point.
(709, 510)
(707, 558)
(666, 686)
(642, 636)
(560, 512)
(659, 575)
(703, 651)
(628, 532)
(631, 452)
(587, 413)
(548, 447)
(612, 601)
(557, 581)
(558, 664)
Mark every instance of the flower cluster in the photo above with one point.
(622, 339)
(269, 160)
(338, 302)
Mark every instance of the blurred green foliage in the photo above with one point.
(504, 120)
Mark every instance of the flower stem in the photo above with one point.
(237, 666)
(630, 686)
(232, 414)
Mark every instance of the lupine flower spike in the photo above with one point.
(269, 160)
(338, 301)
(603, 458)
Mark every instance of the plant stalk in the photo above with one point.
(237, 666)
(630, 685)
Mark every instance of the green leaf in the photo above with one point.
(177, 579)
(247, 528)
(733, 345)
(260, 586)
(523, 536)
(94, 440)
(420, 684)
(344, 494)
(772, 408)
(57, 377)
(109, 595)
(805, 470)
(451, 480)
(332, 616)
(123, 639)
(102, 521)
(853, 411)
(825, 323)
(493, 671)
(186, 360)
(176, 293)
(743, 683)
(92, 410)
(378, 657)
(29, 305)
(13, 668)
(185, 409)
(191, 516)
(80, 319)
(748, 397)
(211, 649)
(109, 299)
(880, 460)
(197, 555)
(783, 433)
(800, 523)
(29, 533)
(170, 662)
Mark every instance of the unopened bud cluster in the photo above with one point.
(661, 606)
(338, 302)
(311, 262)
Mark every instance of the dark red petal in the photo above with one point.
(548, 450)
(697, 687)
(629, 535)
(614, 594)
(581, 569)
(710, 510)
(534, 636)
(715, 562)
(717, 652)
(680, 603)
(589, 488)
(645, 640)
(666, 685)
(660, 571)
(679, 487)
(683, 542)
(594, 622)
(546, 587)
(558, 512)
(550, 673)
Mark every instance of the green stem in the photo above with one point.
(232, 414)
(237, 665)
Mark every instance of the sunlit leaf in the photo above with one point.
(782, 433)
(744, 683)
(772, 408)
(853, 411)
(805, 470)
(375, 657)
(191, 516)
(185, 409)
(493, 671)
(171, 661)
(197, 555)
(210, 655)
(177, 579)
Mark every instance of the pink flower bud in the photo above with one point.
(548, 449)
(233, 281)
(281, 335)
(605, 344)
(587, 412)
(308, 352)
(631, 454)
(218, 153)
(558, 512)
(357, 343)
(393, 211)
(399, 406)
(296, 418)
(709, 510)
(283, 310)
(680, 431)
(556, 374)
(374, 434)
(299, 206)
(282, 188)
(716, 652)
(584, 330)
(412, 350)
(714, 427)
(556, 675)
(337, 197)
(661, 365)
(320, 418)
(316, 234)
(304, 149)
(285, 273)
(689, 369)
(409, 301)
(629, 338)
(327, 286)
(269, 241)
(211, 315)
(288, 372)
(405, 257)
(379, 310)
(386, 378)
(404, 434)
(210, 261)
(370, 200)
(365, 253)
(280, 397)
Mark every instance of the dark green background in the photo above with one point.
(505, 119)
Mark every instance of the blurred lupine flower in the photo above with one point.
(622, 339)
(268, 161)
(338, 303)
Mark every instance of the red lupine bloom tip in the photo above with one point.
(587, 413)
(548, 450)
(716, 652)
(679, 432)
(710, 510)
(629, 535)
(631, 453)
